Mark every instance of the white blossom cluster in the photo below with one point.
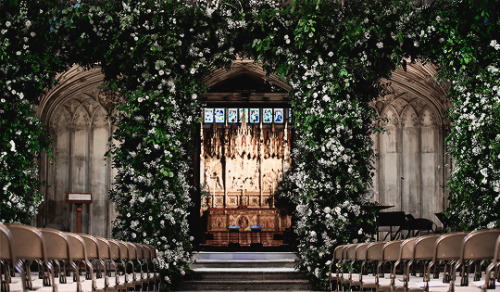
(475, 141)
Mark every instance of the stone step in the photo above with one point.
(243, 264)
(244, 260)
(230, 274)
(246, 285)
(248, 256)
(245, 271)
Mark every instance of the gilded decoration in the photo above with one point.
(241, 165)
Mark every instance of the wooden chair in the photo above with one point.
(155, 263)
(446, 251)
(355, 280)
(107, 262)
(492, 271)
(79, 255)
(8, 261)
(349, 255)
(138, 263)
(373, 257)
(477, 246)
(390, 254)
(115, 249)
(335, 262)
(59, 253)
(29, 246)
(423, 252)
(148, 275)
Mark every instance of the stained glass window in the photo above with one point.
(219, 115)
(208, 115)
(254, 115)
(289, 115)
(279, 115)
(267, 115)
(232, 115)
(243, 111)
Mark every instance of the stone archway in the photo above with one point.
(412, 168)
(237, 156)
(75, 112)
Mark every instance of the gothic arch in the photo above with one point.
(410, 170)
(75, 111)
(245, 66)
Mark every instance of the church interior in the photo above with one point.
(245, 138)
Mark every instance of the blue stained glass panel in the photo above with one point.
(254, 115)
(243, 111)
(267, 115)
(232, 115)
(279, 115)
(219, 115)
(208, 115)
(289, 115)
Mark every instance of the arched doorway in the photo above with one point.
(245, 141)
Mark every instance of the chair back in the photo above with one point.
(28, 242)
(338, 252)
(479, 245)
(374, 251)
(391, 249)
(115, 250)
(59, 244)
(77, 247)
(6, 250)
(360, 254)
(91, 246)
(407, 248)
(424, 247)
(448, 246)
(350, 252)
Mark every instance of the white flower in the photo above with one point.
(12, 146)
(416, 44)
(495, 44)
(28, 23)
(194, 96)
(438, 18)
(380, 45)
(313, 233)
(140, 99)
(360, 231)
(161, 72)
(8, 23)
(192, 71)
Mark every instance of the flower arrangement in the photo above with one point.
(156, 54)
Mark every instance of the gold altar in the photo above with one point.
(244, 152)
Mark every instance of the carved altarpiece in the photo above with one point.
(240, 167)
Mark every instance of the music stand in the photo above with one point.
(390, 219)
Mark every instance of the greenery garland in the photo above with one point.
(157, 52)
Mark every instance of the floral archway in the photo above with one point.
(156, 54)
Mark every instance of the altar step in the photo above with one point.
(245, 271)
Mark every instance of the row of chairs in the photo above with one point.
(44, 259)
(434, 262)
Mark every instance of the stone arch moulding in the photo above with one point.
(77, 119)
(244, 66)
